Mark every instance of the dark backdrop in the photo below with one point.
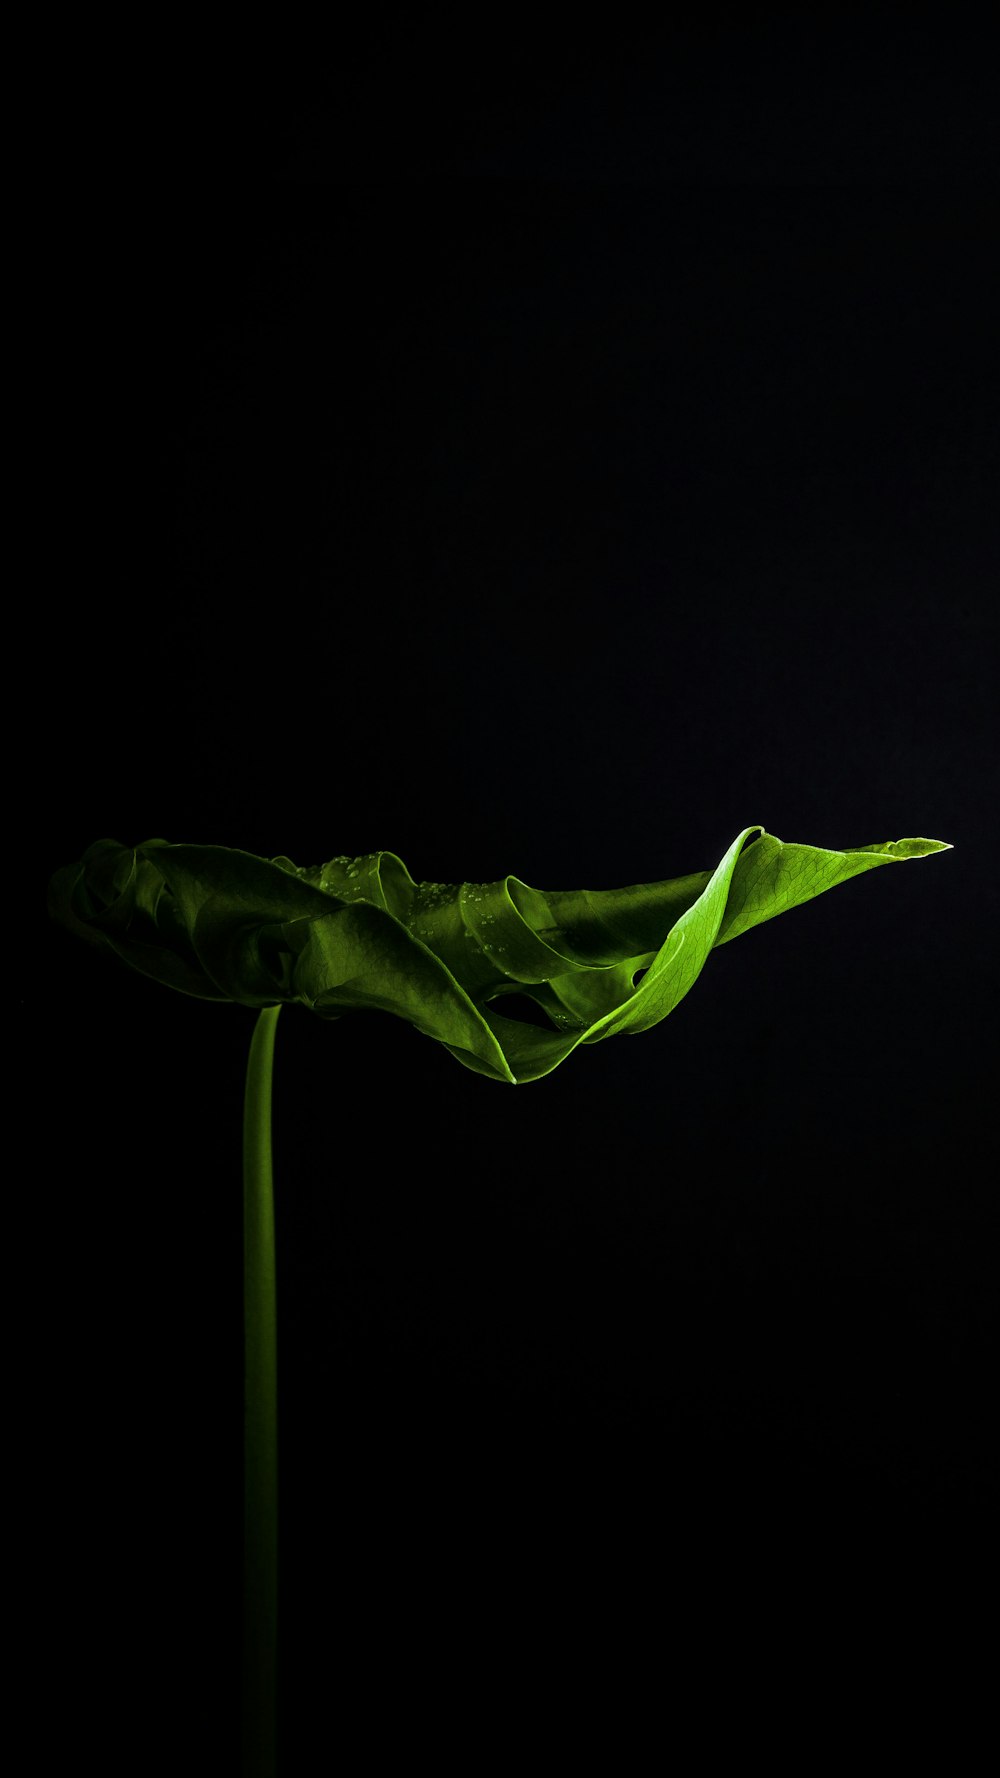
(561, 526)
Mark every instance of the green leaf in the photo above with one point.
(360, 933)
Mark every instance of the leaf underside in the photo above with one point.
(360, 933)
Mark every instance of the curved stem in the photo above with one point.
(260, 1535)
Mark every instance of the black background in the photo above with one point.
(553, 478)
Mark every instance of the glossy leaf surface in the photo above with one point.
(361, 933)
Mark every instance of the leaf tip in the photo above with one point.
(919, 848)
(909, 848)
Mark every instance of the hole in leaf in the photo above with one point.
(522, 1008)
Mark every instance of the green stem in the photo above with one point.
(260, 1538)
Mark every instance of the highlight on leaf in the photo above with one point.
(510, 979)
